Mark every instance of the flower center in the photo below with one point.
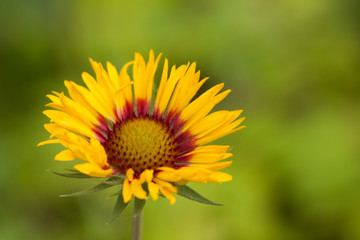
(140, 143)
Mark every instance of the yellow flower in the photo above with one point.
(117, 127)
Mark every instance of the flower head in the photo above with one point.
(117, 127)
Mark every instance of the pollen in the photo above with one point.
(140, 143)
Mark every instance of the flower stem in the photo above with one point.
(136, 228)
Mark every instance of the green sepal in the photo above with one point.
(118, 208)
(191, 194)
(73, 174)
(138, 206)
(96, 188)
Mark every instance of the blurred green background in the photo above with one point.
(293, 66)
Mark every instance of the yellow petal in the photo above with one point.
(68, 122)
(50, 141)
(127, 193)
(186, 172)
(168, 176)
(167, 86)
(113, 75)
(124, 81)
(130, 174)
(98, 153)
(143, 75)
(219, 177)
(168, 195)
(102, 96)
(65, 155)
(186, 88)
(221, 131)
(201, 175)
(137, 189)
(146, 176)
(84, 97)
(209, 149)
(153, 190)
(73, 108)
(162, 87)
(201, 106)
(215, 121)
(92, 170)
(213, 166)
(120, 97)
(151, 69)
(209, 157)
(166, 185)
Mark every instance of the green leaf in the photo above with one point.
(138, 206)
(114, 194)
(118, 208)
(74, 174)
(71, 170)
(191, 194)
(116, 180)
(96, 188)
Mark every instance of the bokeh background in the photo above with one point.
(293, 66)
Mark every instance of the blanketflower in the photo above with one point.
(157, 142)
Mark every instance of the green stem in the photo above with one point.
(136, 228)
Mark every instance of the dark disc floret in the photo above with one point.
(140, 143)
